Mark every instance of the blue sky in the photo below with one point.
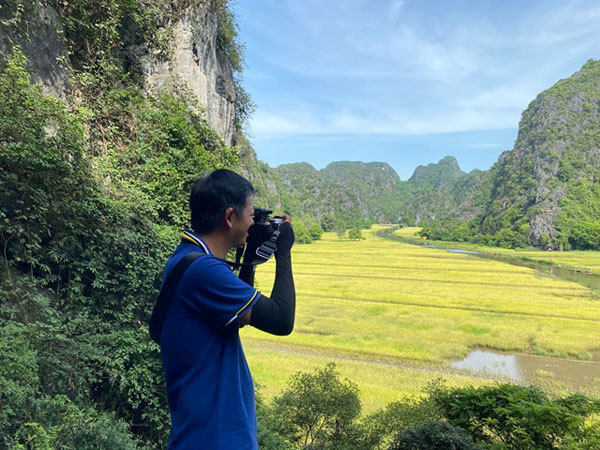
(404, 82)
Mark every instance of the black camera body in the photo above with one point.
(266, 234)
(261, 216)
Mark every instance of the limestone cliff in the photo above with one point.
(196, 64)
(557, 153)
(192, 66)
(39, 40)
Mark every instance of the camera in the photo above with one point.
(261, 216)
(266, 235)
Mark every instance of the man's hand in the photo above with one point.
(258, 233)
(286, 238)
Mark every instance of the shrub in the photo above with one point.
(383, 425)
(318, 407)
(516, 416)
(355, 234)
(432, 435)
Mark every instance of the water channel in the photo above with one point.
(517, 366)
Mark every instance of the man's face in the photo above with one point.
(244, 221)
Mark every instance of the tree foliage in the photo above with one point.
(516, 416)
(86, 223)
(317, 407)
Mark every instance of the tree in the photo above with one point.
(586, 235)
(301, 232)
(318, 407)
(355, 234)
(327, 222)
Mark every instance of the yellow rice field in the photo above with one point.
(586, 260)
(392, 316)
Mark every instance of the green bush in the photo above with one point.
(516, 416)
(301, 232)
(55, 422)
(382, 426)
(355, 234)
(93, 243)
(318, 408)
(586, 235)
(432, 435)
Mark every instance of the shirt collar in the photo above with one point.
(189, 235)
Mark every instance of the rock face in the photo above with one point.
(557, 150)
(195, 64)
(43, 52)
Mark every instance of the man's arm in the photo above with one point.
(276, 314)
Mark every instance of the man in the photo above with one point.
(209, 386)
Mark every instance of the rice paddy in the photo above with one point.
(393, 316)
(585, 260)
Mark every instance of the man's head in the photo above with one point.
(219, 196)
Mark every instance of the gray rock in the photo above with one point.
(195, 64)
(44, 51)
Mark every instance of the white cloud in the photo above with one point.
(511, 96)
(297, 123)
(414, 67)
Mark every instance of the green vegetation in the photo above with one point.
(84, 236)
(391, 315)
(434, 434)
(320, 410)
(512, 416)
(92, 199)
(342, 196)
(557, 138)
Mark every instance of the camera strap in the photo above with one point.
(167, 292)
(267, 248)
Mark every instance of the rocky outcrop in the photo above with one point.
(195, 64)
(193, 68)
(45, 52)
(556, 150)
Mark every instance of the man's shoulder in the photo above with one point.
(205, 266)
(185, 249)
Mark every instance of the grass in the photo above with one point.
(392, 315)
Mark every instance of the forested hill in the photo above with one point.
(347, 193)
(544, 192)
(436, 191)
(350, 193)
(547, 189)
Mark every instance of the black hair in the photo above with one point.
(213, 194)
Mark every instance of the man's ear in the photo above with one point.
(229, 212)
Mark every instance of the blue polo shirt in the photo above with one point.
(209, 386)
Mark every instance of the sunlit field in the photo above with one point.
(393, 315)
(587, 260)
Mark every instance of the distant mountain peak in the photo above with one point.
(442, 173)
